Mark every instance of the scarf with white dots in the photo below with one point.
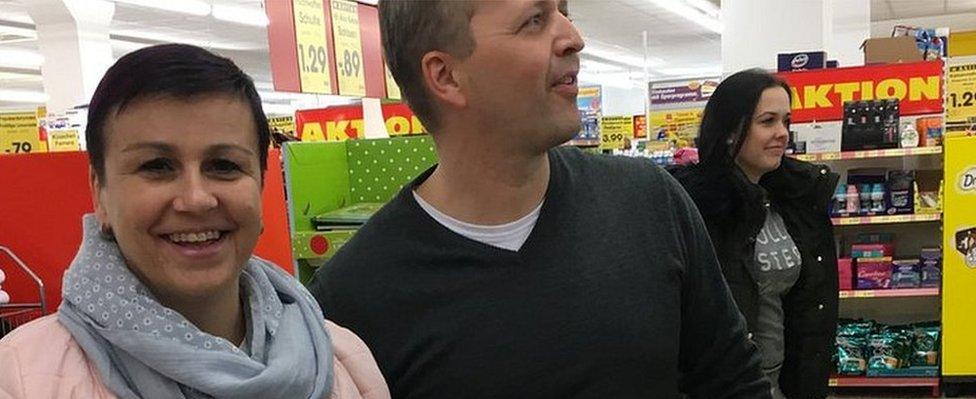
(143, 349)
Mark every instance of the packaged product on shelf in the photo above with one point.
(889, 349)
(865, 197)
(931, 268)
(878, 198)
(838, 206)
(901, 195)
(925, 345)
(906, 274)
(851, 346)
(845, 273)
(929, 131)
(872, 250)
(853, 200)
(873, 274)
(909, 136)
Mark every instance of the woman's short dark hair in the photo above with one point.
(725, 122)
(177, 71)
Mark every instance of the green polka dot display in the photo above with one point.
(375, 183)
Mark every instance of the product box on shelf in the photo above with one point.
(871, 125)
(901, 192)
(906, 274)
(845, 274)
(801, 61)
(869, 251)
(873, 273)
(929, 130)
(931, 267)
(884, 50)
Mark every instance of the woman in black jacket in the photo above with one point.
(768, 218)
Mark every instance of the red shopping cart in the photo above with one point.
(16, 313)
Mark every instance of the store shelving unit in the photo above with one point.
(584, 143)
(890, 293)
(882, 382)
(886, 219)
(869, 154)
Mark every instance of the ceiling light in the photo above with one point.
(16, 58)
(241, 15)
(696, 71)
(191, 7)
(682, 9)
(618, 54)
(706, 7)
(370, 2)
(23, 96)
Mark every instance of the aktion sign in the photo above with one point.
(819, 95)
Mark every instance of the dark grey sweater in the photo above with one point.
(615, 294)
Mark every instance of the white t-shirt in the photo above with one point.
(508, 236)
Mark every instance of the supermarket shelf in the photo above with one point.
(890, 293)
(886, 219)
(584, 143)
(841, 381)
(869, 154)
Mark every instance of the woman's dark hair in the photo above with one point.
(725, 122)
(177, 71)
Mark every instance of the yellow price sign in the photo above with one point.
(961, 93)
(348, 48)
(63, 140)
(19, 134)
(313, 53)
(615, 131)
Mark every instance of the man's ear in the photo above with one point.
(443, 78)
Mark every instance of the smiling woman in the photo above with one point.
(164, 298)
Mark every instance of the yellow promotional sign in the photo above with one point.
(680, 125)
(961, 93)
(313, 51)
(348, 48)
(63, 141)
(615, 131)
(19, 134)
(392, 89)
(959, 258)
(282, 124)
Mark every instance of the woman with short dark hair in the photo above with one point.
(164, 298)
(767, 215)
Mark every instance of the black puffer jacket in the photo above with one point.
(733, 210)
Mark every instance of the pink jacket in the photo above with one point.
(41, 360)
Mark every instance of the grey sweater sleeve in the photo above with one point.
(717, 360)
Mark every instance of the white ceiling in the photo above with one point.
(882, 10)
(613, 30)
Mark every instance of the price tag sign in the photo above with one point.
(348, 48)
(19, 134)
(392, 89)
(615, 131)
(63, 140)
(313, 54)
(961, 93)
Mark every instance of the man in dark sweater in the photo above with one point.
(519, 269)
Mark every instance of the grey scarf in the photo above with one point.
(141, 348)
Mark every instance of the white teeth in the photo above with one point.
(194, 237)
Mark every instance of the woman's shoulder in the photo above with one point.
(41, 360)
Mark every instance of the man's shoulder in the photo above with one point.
(610, 169)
